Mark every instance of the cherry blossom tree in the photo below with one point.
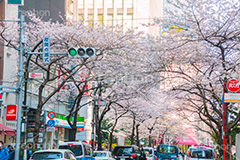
(202, 39)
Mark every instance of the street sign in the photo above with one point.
(51, 115)
(34, 75)
(46, 49)
(233, 85)
(100, 103)
(51, 123)
(231, 97)
(50, 129)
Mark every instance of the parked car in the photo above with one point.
(103, 155)
(126, 152)
(201, 153)
(167, 152)
(57, 154)
(149, 151)
(82, 150)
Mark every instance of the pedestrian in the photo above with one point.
(11, 152)
(142, 155)
(4, 155)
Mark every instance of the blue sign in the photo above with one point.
(46, 50)
(51, 123)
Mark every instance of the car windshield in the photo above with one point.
(167, 150)
(76, 149)
(47, 155)
(207, 154)
(99, 154)
(122, 150)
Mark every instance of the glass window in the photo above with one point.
(80, 3)
(100, 154)
(90, 3)
(66, 156)
(167, 150)
(129, 3)
(71, 156)
(110, 19)
(87, 150)
(90, 19)
(100, 19)
(99, 3)
(122, 150)
(76, 149)
(110, 3)
(129, 21)
(47, 155)
(206, 154)
(119, 3)
(120, 19)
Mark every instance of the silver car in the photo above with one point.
(57, 154)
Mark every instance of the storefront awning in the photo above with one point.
(4, 128)
(9, 133)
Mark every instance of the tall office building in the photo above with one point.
(129, 13)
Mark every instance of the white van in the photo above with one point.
(82, 150)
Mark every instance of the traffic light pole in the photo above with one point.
(20, 89)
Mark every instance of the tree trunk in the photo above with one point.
(137, 135)
(150, 140)
(72, 134)
(37, 127)
(133, 130)
(110, 141)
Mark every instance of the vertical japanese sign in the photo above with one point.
(46, 49)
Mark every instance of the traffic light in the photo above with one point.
(81, 52)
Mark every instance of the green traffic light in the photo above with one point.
(72, 52)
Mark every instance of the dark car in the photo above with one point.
(126, 152)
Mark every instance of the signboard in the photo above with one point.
(19, 2)
(100, 103)
(233, 85)
(51, 115)
(51, 123)
(61, 121)
(50, 129)
(11, 113)
(34, 75)
(46, 50)
(80, 129)
(232, 97)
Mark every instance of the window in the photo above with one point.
(87, 150)
(100, 19)
(99, 3)
(167, 150)
(109, 3)
(81, 4)
(129, 21)
(110, 19)
(119, 3)
(90, 19)
(76, 149)
(120, 19)
(129, 3)
(47, 155)
(90, 3)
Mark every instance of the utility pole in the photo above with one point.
(20, 89)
